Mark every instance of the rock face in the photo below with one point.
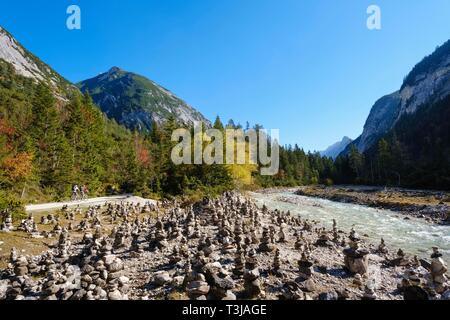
(12, 52)
(135, 101)
(381, 119)
(427, 83)
(28, 65)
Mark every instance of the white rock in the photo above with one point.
(115, 295)
(124, 280)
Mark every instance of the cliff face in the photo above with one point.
(427, 83)
(381, 119)
(28, 65)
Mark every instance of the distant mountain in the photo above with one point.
(135, 101)
(427, 84)
(28, 65)
(334, 150)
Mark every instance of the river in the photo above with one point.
(414, 236)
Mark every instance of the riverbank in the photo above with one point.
(433, 206)
(225, 248)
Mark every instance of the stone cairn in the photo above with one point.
(305, 267)
(64, 245)
(276, 266)
(222, 249)
(356, 260)
(438, 272)
(336, 238)
(239, 262)
(401, 260)
(266, 244)
(382, 247)
(324, 240)
(252, 283)
(7, 224)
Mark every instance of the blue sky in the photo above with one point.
(308, 67)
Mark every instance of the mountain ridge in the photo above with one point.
(136, 101)
(335, 149)
(426, 84)
(30, 66)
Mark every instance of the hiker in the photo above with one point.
(84, 192)
(75, 192)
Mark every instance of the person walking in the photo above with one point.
(84, 192)
(75, 192)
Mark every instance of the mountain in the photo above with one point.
(406, 138)
(135, 101)
(132, 100)
(28, 65)
(334, 150)
(52, 136)
(427, 84)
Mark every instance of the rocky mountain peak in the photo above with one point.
(334, 150)
(114, 70)
(135, 101)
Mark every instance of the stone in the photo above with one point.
(282, 235)
(197, 288)
(7, 225)
(444, 296)
(116, 265)
(369, 292)
(266, 244)
(230, 296)
(115, 295)
(329, 296)
(305, 267)
(309, 285)
(252, 283)
(276, 262)
(356, 259)
(178, 281)
(324, 240)
(382, 247)
(299, 243)
(415, 293)
(162, 278)
(78, 295)
(239, 263)
(251, 260)
(438, 271)
(357, 280)
(124, 280)
(401, 259)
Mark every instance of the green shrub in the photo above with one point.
(13, 204)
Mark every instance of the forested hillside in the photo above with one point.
(406, 140)
(416, 153)
(47, 145)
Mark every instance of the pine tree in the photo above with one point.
(356, 161)
(218, 124)
(53, 151)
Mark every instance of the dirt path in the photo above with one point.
(86, 203)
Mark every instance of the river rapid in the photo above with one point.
(414, 236)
